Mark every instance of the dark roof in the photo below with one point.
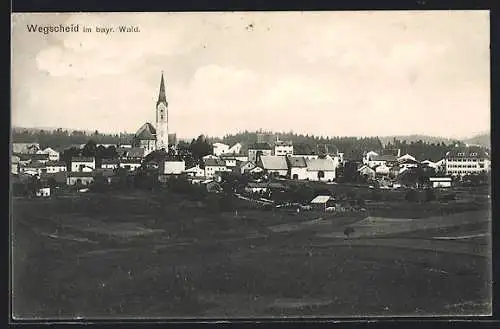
(82, 159)
(60, 176)
(297, 162)
(146, 132)
(467, 152)
(80, 174)
(42, 156)
(283, 143)
(132, 152)
(110, 161)
(36, 164)
(384, 158)
(56, 164)
(214, 163)
(131, 161)
(259, 146)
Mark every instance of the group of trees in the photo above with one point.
(89, 150)
(64, 138)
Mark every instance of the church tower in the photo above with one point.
(162, 118)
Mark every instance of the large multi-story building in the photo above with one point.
(466, 161)
(283, 148)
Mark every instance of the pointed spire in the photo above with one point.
(162, 97)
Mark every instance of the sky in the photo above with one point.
(325, 73)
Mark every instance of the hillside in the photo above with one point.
(480, 140)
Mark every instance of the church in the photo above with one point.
(155, 138)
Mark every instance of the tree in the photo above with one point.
(90, 149)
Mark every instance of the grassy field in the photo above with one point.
(157, 255)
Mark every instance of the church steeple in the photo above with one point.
(162, 97)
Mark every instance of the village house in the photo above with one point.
(429, 163)
(39, 157)
(253, 187)
(230, 160)
(42, 192)
(131, 152)
(172, 167)
(25, 148)
(406, 157)
(273, 164)
(440, 182)
(466, 161)
(366, 171)
(130, 164)
(245, 167)
(408, 163)
(110, 163)
(219, 149)
(14, 164)
(82, 164)
(53, 154)
(297, 167)
(55, 166)
(382, 169)
(213, 166)
(322, 202)
(321, 169)
(79, 178)
(34, 168)
(256, 150)
(282, 148)
(195, 171)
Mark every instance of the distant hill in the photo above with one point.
(479, 140)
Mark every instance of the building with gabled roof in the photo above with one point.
(213, 166)
(82, 164)
(462, 161)
(297, 167)
(258, 149)
(321, 169)
(273, 164)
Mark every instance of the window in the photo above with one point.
(473, 154)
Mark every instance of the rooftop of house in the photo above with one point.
(320, 199)
(132, 152)
(35, 165)
(467, 152)
(297, 162)
(56, 164)
(39, 156)
(283, 143)
(146, 132)
(82, 159)
(210, 162)
(326, 164)
(384, 157)
(274, 162)
(110, 161)
(407, 161)
(80, 174)
(259, 146)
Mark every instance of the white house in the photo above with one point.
(55, 166)
(110, 163)
(246, 166)
(368, 156)
(438, 182)
(274, 164)
(219, 149)
(130, 164)
(298, 167)
(53, 154)
(463, 161)
(408, 163)
(213, 166)
(406, 157)
(379, 160)
(283, 148)
(43, 192)
(173, 167)
(82, 164)
(195, 171)
(84, 178)
(382, 169)
(321, 169)
(34, 168)
(366, 171)
(429, 163)
(229, 160)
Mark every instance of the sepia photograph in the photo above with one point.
(250, 165)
